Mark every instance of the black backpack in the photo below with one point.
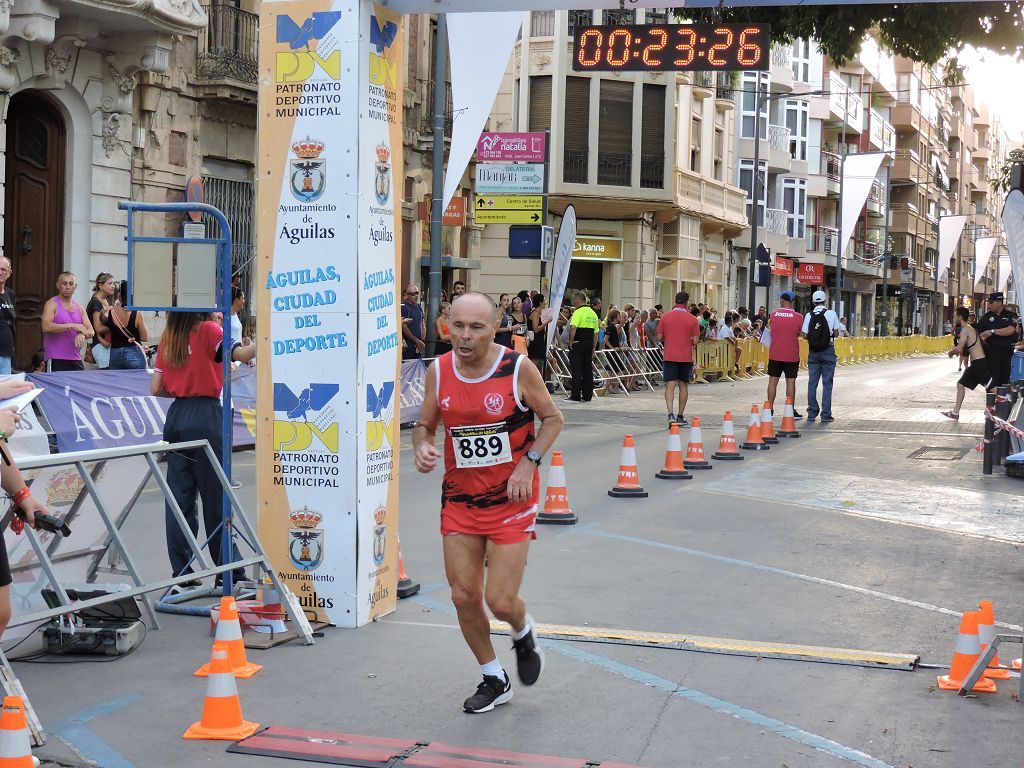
(819, 335)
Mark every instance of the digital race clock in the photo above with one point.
(672, 47)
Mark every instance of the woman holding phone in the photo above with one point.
(189, 368)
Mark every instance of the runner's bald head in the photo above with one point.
(474, 301)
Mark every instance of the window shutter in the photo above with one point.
(540, 103)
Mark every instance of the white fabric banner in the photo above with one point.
(859, 172)
(983, 248)
(1013, 227)
(479, 45)
(560, 270)
(1004, 271)
(950, 229)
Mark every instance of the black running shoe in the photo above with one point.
(529, 657)
(797, 414)
(491, 692)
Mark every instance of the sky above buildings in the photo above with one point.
(991, 75)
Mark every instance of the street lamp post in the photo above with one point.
(754, 195)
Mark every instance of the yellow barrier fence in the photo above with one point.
(719, 358)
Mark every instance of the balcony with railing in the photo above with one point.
(831, 169)
(652, 171)
(426, 118)
(708, 198)
(775, 220)
(876, 200)
(907, 166)
(821, 239)
(579, 19)
(779, 159)
(703, 85)
(614, 168)
(725, 91)
(574, 166)
(542, 24)
(782, 56)
(854, 111)
(883, 135)
(837, 93)
(781, 71)
(229, 49)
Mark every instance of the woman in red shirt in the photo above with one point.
(189, 368)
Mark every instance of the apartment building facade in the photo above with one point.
(644, 158)
(941, 149)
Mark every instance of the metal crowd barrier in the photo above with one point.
(746, 359)
(121, 561)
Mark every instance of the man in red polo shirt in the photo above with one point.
(785, 324)
(679, 331)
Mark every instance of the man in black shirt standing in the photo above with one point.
(6, 318)
(997, 330)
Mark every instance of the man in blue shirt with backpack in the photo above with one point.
(821, 326)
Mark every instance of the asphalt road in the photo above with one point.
(837, 539)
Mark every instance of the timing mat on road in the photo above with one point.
(904, 661)
(375, 752)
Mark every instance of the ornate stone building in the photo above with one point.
(111, 100)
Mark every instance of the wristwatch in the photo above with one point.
(533, 456)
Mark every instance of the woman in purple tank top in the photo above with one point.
(65, 330)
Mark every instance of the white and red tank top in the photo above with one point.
(488, 430)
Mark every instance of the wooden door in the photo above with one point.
(34, 211)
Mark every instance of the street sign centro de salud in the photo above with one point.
(507, 179)
(509, 209)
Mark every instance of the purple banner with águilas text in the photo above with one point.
(89, 410)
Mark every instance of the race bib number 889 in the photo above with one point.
(483, 445)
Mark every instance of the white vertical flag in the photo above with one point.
(950, 229)
(1013, 226)
(983, 248)
(479, 45)
(560, 270)
(859, 173)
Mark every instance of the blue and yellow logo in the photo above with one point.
(310, 417)
(299, 63)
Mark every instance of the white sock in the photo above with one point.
(493, 668)
(521, 633)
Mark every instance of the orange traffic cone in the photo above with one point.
(788, 420)
(986, 634)
(406, 586)
(965, 654)
(754, 442)
(556, 501)
(629, 476)
(695, 448)
(674, 468)
(768, 424)
(15, 743)
(727, 445)
(222, 709)
(229, 634)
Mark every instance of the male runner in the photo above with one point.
(785, 325)
(487, 396)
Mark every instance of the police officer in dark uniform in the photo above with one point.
(997, 330)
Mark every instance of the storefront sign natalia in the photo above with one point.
(510, 148)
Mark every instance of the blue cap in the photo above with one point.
(787, 295)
